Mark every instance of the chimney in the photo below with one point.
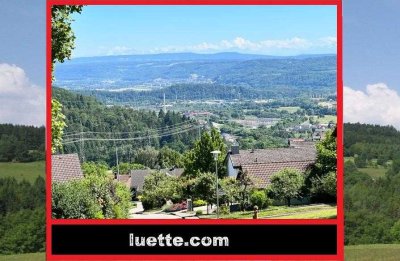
(235, 149)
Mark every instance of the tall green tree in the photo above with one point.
(200, 159)
(57, 125)
(205, 188)
(287, 184)
(62, 36)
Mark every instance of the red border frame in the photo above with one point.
(339, 221)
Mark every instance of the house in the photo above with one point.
(262, 164)
(126, 179)
(137, 176)
(65, 167)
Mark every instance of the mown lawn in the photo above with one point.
(28, 171)
(278, 212)
(24, 257)
(322, 214)
(374, 172)
(386, 252)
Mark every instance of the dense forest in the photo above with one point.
(21, 143)
(192, 91)
(372, 202)
(96, 123)
(372, 142)
(22, 216)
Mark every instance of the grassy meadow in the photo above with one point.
(374, 172)
(28, 171)
(323, 211)
(24, 257)
(384, 252)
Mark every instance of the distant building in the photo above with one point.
(262, 164)
(65, 167)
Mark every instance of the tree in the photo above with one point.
(200, 159)
(326, 154)
(147, 157)
(205, 187)
(246, 185)
(168, 158)
(62, 36)
(259, 198)
(324, 187)
(93, 168)
(57, 125)
(326, 163)
(361, 160)
(158, 188)
(287, 184)
(231, 189)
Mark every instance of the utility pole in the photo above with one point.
(116, 156)
(82, 145)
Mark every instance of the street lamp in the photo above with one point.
(215, 153)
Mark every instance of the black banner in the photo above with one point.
(194, 239)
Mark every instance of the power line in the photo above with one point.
(68, 134)
(133, 138)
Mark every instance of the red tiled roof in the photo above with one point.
(65, 167)
(276, 155)
(126, 179)
(261, 173)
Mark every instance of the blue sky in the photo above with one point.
(371, 42)
(23, 36)
(275, 30)
(22, 61)
(372, 61)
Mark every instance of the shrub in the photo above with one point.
(258, 198)
(199, 212)
(324, 188)
(92, 197)
(158, 188)
(224, 210)
(73, 200)
(199, 202)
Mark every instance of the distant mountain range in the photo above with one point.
(155, 71)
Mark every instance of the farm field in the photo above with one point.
(326, 119)
(387, 252)
(28, 171)
(24, 257)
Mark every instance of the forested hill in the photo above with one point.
(100, 123)
(21, 143)
(372, 141)
(154, 71)
(372, 181)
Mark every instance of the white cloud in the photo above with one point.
(242, 44)
(329, 41)
(378, 104)
(271, 46)
(21, 102)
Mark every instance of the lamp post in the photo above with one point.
(215, 153)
